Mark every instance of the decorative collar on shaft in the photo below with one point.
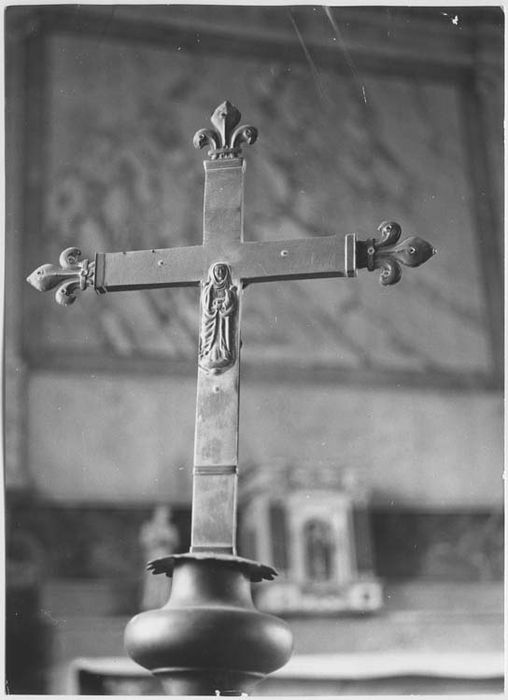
(225, 141)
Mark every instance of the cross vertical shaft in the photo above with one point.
(217, 404)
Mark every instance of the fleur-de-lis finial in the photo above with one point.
(388, 254)
(226, 139)
(70, 276)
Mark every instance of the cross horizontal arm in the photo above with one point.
(255, 261)
(306, 258)
(149, 269)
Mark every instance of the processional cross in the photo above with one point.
(222, 267)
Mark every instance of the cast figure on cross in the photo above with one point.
(219, 298)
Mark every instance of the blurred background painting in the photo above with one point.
(371, 425)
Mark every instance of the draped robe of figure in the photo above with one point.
(219, 301)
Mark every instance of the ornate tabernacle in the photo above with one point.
(209, 636)
(311, 521)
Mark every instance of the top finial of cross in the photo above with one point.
(226, 140)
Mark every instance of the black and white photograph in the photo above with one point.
(253, 350)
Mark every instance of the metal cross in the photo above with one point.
(222, 266)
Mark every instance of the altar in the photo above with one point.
(347, 674)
